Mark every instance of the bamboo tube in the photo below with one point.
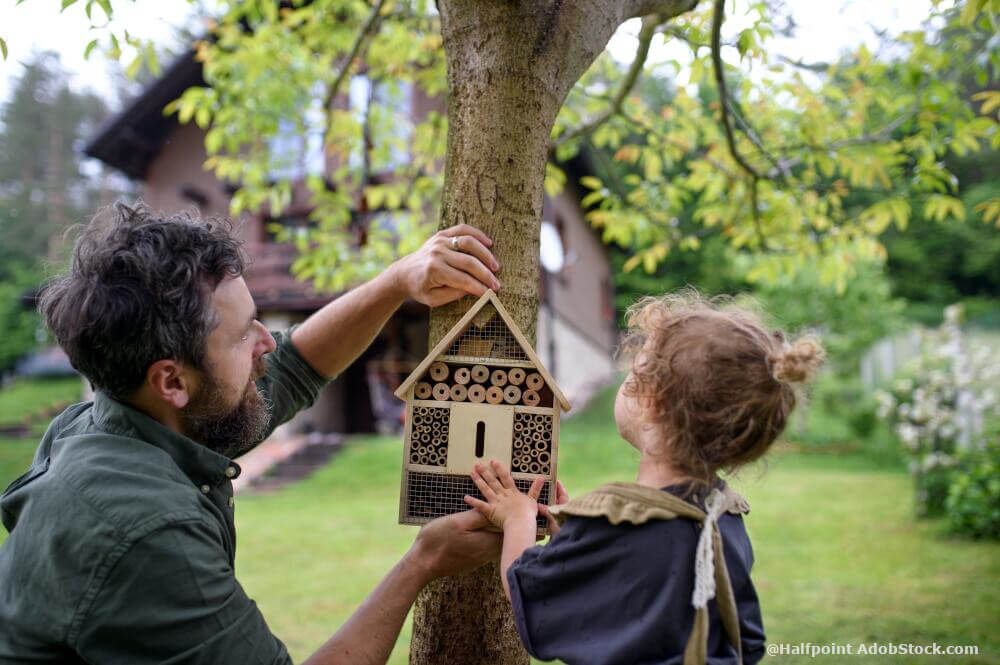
(543, 457)
(494, 395)
(498, 378)
(439, 371)
(424, 460)
(458, 392)
(476, 393)
(534, 467)
(423, 390)
(480, 373)
(536, 436)
(541, 446)
(441, 392)
(518, 426)
(516, 376)
(530, 398)
(534, 381)
(512, 394)
(462, 375)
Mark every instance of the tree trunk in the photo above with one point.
(511, 64)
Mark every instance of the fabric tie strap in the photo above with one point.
(704, 561)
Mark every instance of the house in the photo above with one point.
(576, 328)
(481, 393)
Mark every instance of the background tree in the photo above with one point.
(43, 188)
(768, 160)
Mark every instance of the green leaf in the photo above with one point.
(133, 67)
(116, 50)
(152, 61)
(90, 47)
(66, 3)
(3, 48)
(590, 182)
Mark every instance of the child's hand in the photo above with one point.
(504, 502)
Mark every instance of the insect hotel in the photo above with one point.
(480, 394)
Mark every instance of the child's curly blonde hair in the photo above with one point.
(715, 377)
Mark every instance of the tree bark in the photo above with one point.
(511, 64)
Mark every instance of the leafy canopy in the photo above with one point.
(768, 152)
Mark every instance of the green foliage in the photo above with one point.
(875, 128)
(19, 324)
(973, 502)
(42, 188)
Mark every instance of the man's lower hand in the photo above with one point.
(455, 544)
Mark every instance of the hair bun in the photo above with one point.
(797, 362)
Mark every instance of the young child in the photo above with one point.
(709, 390)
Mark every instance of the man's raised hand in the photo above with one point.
(452, 263)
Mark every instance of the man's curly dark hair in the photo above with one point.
(139, 290)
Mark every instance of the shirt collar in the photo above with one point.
(199, 463)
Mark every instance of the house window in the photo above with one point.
(297, 147)
(387, 107)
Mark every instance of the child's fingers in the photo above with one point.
(481, 483)
(535, 490)
(481, 507)
(562, 496)
(489, 477)
(503, 474)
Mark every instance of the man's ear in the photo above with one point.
(171, 382)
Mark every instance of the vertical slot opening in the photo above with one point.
(480, 438)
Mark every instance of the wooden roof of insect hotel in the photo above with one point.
(463, 343)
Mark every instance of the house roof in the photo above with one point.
(459, 328)
(131, 140)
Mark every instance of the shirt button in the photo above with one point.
(205, 489)
(230, 472)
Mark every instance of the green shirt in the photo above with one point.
(122, 542)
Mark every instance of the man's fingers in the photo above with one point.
(472, 246)
(554, 527)
(466, 229)
(535, 490)
(451, 277)
(442, 295)
(471, 265)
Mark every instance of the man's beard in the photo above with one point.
(228, 430)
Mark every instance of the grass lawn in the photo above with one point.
(25, 399)
(839, 556)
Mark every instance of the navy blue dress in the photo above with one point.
(603, 594)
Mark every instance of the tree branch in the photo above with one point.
(366, 30)
(665, 8)
(649, 25)
(720, 82)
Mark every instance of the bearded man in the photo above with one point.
(122, 542)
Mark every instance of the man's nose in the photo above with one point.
(266, 343)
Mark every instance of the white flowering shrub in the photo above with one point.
(940, 404)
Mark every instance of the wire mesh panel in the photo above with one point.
(430, 495)
(429, 435)
(486, 337)
(532, 452)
